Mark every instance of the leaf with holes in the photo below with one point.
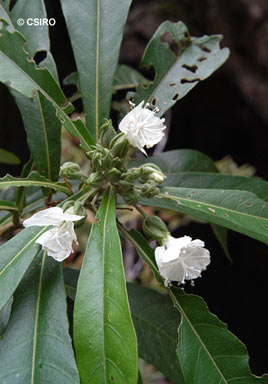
(240, 211)
(104, 335)
(42, 127)
(21, 73)
(36, 346)
(207, 351)
(96, 42)
(194, 60)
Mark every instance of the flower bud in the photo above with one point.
(113, 175)
(107, 161)
(119, 145)
(131, 197)
(151, 171)
(107, 132)
(155, 229)
(71, 170)
(95, 180)
(75, 208)
(149, 189)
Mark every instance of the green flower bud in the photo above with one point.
(75, 208)
(149, 189)
(125, 186)
(107, 161)
(113, 175)
(155, 229)
(119, 145)
(71, 170)
(107, 133)
(131, 197)
(151, 171)
(97, 161)
(95, 180)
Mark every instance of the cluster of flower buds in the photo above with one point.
(71, 171)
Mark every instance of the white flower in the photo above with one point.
(142, 127)
(181, 259)
(58, 241)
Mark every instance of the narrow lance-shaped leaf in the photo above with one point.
(42, 127)
(104, 336)
(96, 42)
(25, 77)
(127, 77)
(207, 351)
(36, 346)
(177, 74)
(155, 321)
(35, 180)
(241, 211)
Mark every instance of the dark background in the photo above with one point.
(225, 115)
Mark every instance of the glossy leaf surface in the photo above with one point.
(104, 336)
(207, 351)
(34, 179)
(25, 77)
(241, 211)
(96, 40)
(156, 322)
(177, 74)
(36, 346)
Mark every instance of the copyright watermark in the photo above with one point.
(36, 22)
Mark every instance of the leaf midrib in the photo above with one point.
(175, 301)
(37, 318)
(56, 106)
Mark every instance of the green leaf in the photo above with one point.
(207, 351)
(143, 248)
(156, 322)
(177, 74)
(96, 40)
(104, 336)
(42, 126)
(25, 9)
(7, 157)
(219, 181)
(127, 77)
(25, 77)
(4, 12)
(174, 162)
(34, 179)
(8, 206)
(5, 316)
(221, 234)
(21, 191)
(36, 346)
(43, 133)
(238, 210)
(16, 255)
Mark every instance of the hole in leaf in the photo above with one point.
(112, 378)
(172, 84)
(205, 49)
(249, 204)
(40, 56)
(168, 39)
(183, 81)
(191, 68)
(154, 101)
(175, 97)
(203, 58)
